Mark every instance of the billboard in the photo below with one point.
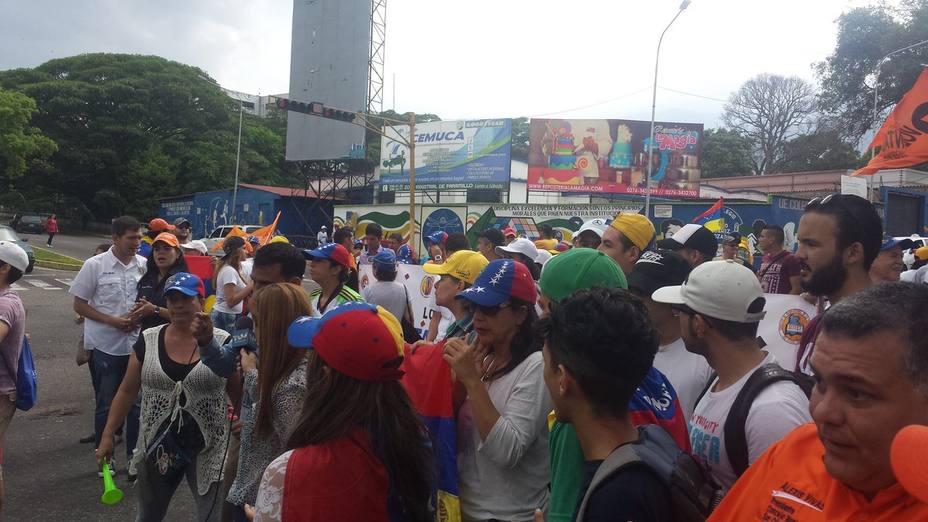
(328, 64)
(463, 154)
(611, 156)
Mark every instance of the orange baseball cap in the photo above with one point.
(166, 237)
(909, 458)
(159, 225)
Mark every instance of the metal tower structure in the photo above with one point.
(375, 80)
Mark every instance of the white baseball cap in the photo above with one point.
(597, 225)
(723, 290)
(519, 246)
(543, 257)
(13, 255)
(196, 245)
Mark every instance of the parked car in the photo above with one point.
(8, 234)
(220, 232)
(30, 224)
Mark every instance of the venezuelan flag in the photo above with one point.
(712, 218)
(428, 383)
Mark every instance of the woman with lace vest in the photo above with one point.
(278, 391)
(184, 427)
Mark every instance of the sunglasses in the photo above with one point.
(832, 199)
(489, 311)
(685, 310)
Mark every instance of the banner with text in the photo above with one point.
(462, 154)
(420, 289)
(611, 156)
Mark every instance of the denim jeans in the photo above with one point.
(109, 371)
(223, 321)
(155, 492)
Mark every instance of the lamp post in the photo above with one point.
(876, 80)
(238, 155)
(647, 190)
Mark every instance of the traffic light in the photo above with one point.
(316, 109)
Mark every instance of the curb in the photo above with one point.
(57, 266)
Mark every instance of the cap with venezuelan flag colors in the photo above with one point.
(360, 340)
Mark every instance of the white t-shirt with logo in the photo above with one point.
(778, 409)
(687, 372)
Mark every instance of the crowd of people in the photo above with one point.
(614, 377)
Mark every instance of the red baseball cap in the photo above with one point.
(332, 251)
(357, 339)
(159, 225)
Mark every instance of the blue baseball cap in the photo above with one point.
(384, 257)
(891, 242)
(499, 281)
(187, 284)
(436, 238)
(254, 240)
(332, 251)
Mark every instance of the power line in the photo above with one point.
(628, 95)
(693, 95)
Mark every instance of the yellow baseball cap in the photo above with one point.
(279, 239)
(465, 265)
(922, 253)
(637, 228)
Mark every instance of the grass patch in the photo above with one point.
(47, 255)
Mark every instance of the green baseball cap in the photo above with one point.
(577, 269)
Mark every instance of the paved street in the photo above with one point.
(80, 247)
(49, 475)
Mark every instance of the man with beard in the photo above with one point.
(839, 238)
(182, 230)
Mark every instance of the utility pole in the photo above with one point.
(412, 178)
(238, 155)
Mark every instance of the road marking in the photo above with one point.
(16, 288)
(38, 283)
(65, 282)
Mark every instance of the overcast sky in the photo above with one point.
(467, 59)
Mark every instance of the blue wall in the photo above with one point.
(207, 210)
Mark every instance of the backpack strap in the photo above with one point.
(736, 446)
(618, 459)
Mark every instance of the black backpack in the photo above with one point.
(693, 494)
(736, 444)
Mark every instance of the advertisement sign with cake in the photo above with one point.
(463, 154)
(611, 156)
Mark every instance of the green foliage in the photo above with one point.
(520, 136)
(821, 150)
(865, 36)
(725, 153)
(131, 129)
(20, 143)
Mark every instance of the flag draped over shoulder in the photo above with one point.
(903, 138)
(712, 218)
(428, 383)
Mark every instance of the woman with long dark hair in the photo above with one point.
(360, 451)
(166, 259)
(229, 282)
(502, 403)
(277, 391)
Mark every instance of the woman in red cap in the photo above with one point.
(503, 461)
(360, 451)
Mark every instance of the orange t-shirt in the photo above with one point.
(789, 482)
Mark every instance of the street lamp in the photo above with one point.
(876, 80)
(238, 155)
(647, 190)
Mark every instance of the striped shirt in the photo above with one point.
(344, 295)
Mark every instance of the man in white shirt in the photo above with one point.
(721, 304)
(104, 293)
(322, 237)
(687, 372)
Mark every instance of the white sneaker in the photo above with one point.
(112, 470)
(132, 470)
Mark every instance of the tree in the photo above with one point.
(131, 129)
(769, 110)
(823, 149)
(865, 36)
(520, 137)
(20, 143)
(725, 154)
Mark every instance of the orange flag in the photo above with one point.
(903, 139)
(266, 233)
(236, 231)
